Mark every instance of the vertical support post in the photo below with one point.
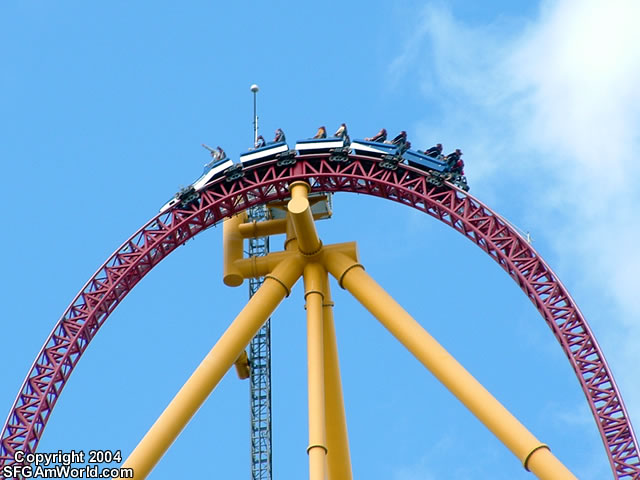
(535, 456)
(192, 395)
(338, 456)
(232, 250)
(317, 449)
(255, 89)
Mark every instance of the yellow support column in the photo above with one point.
(302, 218)
(317, 449)
(232, 248)
(535, 456)
(338, 456)
(192, 395)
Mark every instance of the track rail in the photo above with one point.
(269, 181)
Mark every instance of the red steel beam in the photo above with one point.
(268, 182)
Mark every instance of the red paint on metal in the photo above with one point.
(267, 182)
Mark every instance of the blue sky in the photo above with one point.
(104, 109)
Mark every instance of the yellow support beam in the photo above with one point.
(534, 455)
(338, 456)
(261, 266)
(222, 356)
(302, 218)
(305, 255)
(232, 247)
(265, 228)
(243, 369)
(317, 450)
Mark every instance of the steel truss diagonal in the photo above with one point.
(268, 182)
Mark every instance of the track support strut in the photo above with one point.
(305, 256)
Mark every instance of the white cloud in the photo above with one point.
(548, 113)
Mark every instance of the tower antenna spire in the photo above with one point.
(255, 89)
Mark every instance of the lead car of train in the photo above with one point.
(389, 155)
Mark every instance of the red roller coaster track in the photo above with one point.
(269, 181)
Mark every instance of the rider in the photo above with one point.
(321, 133)
(260, 142)
(381, 136)
(342, 131)
(400, 141)
(434, 151)
(459, 167)
(218, 154)
(279, 136)
(400, 138)
(453, 157)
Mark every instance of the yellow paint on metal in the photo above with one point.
(544, 464)
(267, 228)
(328, 439)
(260, 266)
(446, 368)
(263, 229)
(300, 213)
(232, 248)
(313, 282)
(291, 240)
(338, 456)
(242, 366)
(205, 378)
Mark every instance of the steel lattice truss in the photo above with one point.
(268, 182)
(260, 361)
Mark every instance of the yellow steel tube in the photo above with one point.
(300, 212)
(267, 228)
(317, 449)
(217, 362)
(263, 229)
(535, 456)
(338, 457)
(544, 464)
(291, 240)
(232, 250)
(243, 369)
(260, 266)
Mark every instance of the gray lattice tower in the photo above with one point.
(260, 361)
